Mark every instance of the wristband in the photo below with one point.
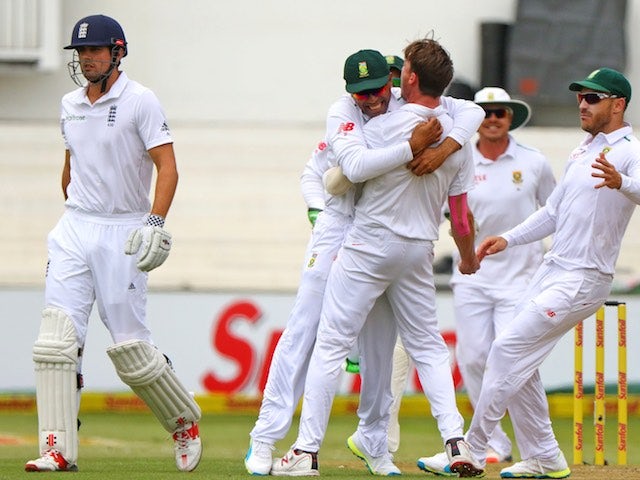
(155, 220)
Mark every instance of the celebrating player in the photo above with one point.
(366, 75)
(389, 249)
(108, 238)
(587, 214)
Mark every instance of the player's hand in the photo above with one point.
(490, 246)
(610, 176)
(425, 134)
(469, 267)
(151, 244)
(312, 215)
(428, 161)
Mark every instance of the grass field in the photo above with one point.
(134, 446)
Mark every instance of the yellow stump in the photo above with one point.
(622, 384)
(578, 395)
(599, 405)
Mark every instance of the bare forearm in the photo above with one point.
(165, 190)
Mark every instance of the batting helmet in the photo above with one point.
(97, 31)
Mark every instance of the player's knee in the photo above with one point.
(137, 362)
(57, 339)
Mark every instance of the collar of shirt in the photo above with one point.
(114, 92)
(509, 153)
(608, 138)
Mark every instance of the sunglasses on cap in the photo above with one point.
(593, 97)
(498, 112)
(365, 94)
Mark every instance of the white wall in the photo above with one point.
(266, 61)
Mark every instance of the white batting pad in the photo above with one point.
(55, 354)
(141, 366)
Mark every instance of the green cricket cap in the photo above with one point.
(605, 80)
(365, 70)
(394, 61)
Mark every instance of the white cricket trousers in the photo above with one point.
(481, 313)
(555, 302)
(87, 265)
(371, 262)
(288, 368)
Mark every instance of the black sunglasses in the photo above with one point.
(593, 97)
(498, 112)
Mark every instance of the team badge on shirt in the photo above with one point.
(516, 177)
(111, 117)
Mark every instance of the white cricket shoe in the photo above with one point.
(187, 446)
(296, 463)
(438, 465)
(50, 461)
(382, 465)
(259, 458)
(538, 468)
(461, 460)
(495, 457)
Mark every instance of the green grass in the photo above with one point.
(134, 446)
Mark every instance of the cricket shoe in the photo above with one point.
(538, 468)
(259, 458)
(495, 457)
(187, 446)
(461, 460)
(382, 465)
(296, 463)
(438, 465)
(50, 461)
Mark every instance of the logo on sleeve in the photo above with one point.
(346, 127)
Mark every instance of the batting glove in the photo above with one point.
(151, 243)
(312, 215)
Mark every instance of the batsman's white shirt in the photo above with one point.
(507, 190)
(111, 169)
